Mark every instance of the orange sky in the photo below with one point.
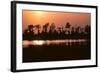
(59, 18)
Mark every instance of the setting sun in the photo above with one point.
(39, 12)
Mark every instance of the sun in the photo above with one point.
(39, 12)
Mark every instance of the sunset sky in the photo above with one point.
(59, 18)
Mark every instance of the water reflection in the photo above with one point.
(37, 42)
(26, 43)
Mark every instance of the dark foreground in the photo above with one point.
(59, 52)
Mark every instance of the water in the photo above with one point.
(56, 50)
(67, 42)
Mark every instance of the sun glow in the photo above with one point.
(39, 12)
(38, 42)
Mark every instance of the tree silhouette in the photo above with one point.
(50, 32)
(38, 28)
(67, 26)
(72, 30)
(30, 28)
(59, 29)
(45, 27)
(87, 29)
(78, 30)
(52, 27)
(29, 32)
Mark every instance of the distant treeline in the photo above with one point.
(52, 32)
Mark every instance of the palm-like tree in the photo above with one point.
(78, 30)
(45, 27)
(52, 27)
(30, 28)
(38, 28)
(87, 29)
(67, 26)
(59, 29)
(72, 30)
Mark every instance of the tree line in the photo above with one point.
(52, 32)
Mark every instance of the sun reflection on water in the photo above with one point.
(26, 43)
(37, 42)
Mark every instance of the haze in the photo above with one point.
(59, 18)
